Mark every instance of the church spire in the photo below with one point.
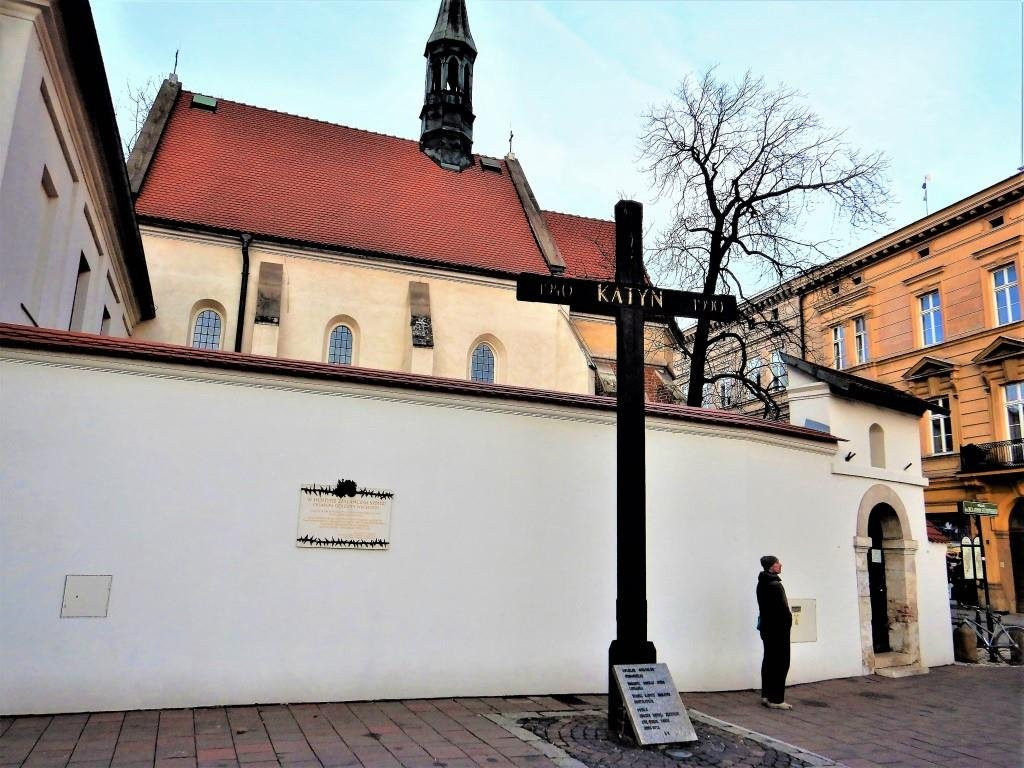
(446, 120)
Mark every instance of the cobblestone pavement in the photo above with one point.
(954, 716)
(585, 738)
(962, 715)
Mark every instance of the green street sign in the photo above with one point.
(986, 508)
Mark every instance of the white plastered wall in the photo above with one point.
(42, 237)
(183, 484)
(537, 348)
(851, 420)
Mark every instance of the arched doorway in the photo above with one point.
(1017, 552)
(881, 521)
(887, 585)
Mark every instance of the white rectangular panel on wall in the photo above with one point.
(805, 620)
(85, 597)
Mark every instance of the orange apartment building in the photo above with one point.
(933, 309)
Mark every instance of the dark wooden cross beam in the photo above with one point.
(631, 300)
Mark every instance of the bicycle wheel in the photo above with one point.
(1003, 644)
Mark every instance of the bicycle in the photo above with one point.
(998, 642)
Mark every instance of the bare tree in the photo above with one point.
(134, 108)
(744, 165)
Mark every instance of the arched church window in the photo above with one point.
(876, 439)
(435, 74)
(339, 348)
(206, 330)
(452, 83)
(482, 368)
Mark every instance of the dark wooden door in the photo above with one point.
(1017, 552)
(876, 587)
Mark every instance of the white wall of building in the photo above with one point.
(183, 485)
(851, 420)
(534, 343)
(48, 228)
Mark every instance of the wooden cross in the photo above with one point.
(630, 299)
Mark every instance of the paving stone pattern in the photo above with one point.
(445, 733)
(585, 737)
(953, 717)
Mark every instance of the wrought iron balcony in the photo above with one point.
(985, 457)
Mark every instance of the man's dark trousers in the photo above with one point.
(775, 665)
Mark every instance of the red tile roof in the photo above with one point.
(935, 534)
(587, 245)
(246, 169)
(67, 342)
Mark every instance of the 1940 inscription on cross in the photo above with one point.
(631, 300)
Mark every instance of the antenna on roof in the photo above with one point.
(174, 72)
(924, 186)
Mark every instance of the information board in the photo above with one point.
(655, 709)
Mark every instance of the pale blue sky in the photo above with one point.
(936, 85)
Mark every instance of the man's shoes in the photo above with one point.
(780, 705)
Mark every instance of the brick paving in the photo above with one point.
(955, 716)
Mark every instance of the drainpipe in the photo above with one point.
(800, 309)
(246, 240)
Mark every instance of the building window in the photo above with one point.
(931, 319)
(780, 378)
(339, 348)
(1007, 294)
(206, 331)
(860, 339)
(482, 368)
(725, 392)
(876, 444)
(838, 359)
(708, 395)
(942, 427)
(1014, 394)
(1014, 397)
(78, 301)
(754, 370)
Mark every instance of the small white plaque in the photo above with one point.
(805, 620)
(85, 597)
(655, 710)
(876, 555)
(344, 518)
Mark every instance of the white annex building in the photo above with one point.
(161, 412)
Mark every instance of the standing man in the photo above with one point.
(774, 623)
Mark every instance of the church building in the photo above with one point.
(285, 236)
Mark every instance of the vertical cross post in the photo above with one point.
(630, 645)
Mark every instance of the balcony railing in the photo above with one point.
(982, 457)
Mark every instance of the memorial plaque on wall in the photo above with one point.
(655, 709)
(344, 517)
